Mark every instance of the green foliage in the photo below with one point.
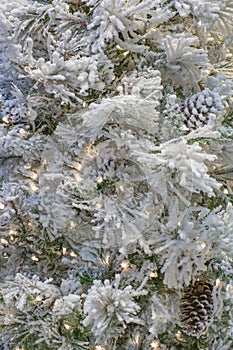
(78, 73)
(71, 327)
(107, 186)
(86, 280)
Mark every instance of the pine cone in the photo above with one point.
(200, 108)
(196, 309)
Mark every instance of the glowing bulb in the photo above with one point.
(106, 259)
(5, 120)
(153, 275)
(136, 339)
(125, 265)
(79, 166)
(22, 132)
(98, 206)
(34, 176)
(72, 224)
(2, 206)
(12, 232)
(34, 188)
(34, 258)
(229, 289)
(67, 326)
(73, 255)
(125, 53)
(218, 282)
(179, 336)
(99, 179)
(121, 188)
(38, 299)
(203, 245)
(77, 177)
(155, 345)
(4, 241)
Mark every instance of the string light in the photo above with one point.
(33, 187)
(201, 245)
(67, 327)
(99, 179)
(218, 282)
(99, 347)
(155, 345)
(136, 338)
(22, 132)
(34, 258)
(34, 175)
(72, 225)
(2, 206)
(38, 299)
(4, 241)
(229, 289)
(153, 275)
(106, 259)
(73, 255)
(125, 265)
(12, 232)
(77, 177)
(180, 337)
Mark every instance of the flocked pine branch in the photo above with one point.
(116, 175)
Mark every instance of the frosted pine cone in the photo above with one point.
(196, 309)
(200, 108)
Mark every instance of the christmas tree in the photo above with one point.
(116, 176)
